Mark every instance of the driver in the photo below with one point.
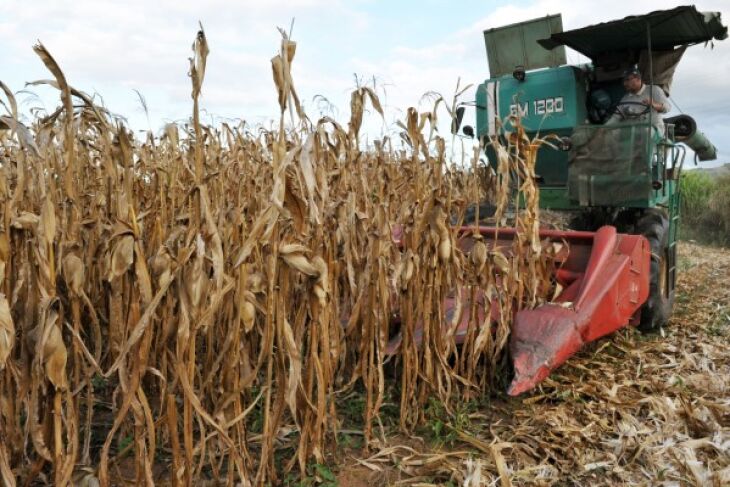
(640, 100)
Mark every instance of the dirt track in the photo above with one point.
(633, 409)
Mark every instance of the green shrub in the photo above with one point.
(696, 187)
(706, 207)
(720, 205)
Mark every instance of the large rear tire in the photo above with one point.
(654, 225)
(591, 219)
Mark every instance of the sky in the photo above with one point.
(407, 48)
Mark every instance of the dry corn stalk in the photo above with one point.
(222, 289)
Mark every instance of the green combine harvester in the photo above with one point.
(611, 163)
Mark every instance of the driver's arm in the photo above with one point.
(613, 119)
(659, 102)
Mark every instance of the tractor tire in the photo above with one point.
(591, 219)
(654, 225)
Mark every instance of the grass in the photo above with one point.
(720, 321)
(317, 474)
(442, 427)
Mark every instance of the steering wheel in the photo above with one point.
(625, 114)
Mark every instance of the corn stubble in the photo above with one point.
(209, 295)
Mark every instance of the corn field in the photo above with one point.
(194, 306)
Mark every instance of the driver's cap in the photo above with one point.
(632, 71)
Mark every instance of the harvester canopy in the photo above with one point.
(669, 28)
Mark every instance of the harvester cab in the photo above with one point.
(618, 176)
(630, 164)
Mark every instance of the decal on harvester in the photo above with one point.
(543, 106)
(492, 107)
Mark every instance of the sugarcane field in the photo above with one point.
(497, 255)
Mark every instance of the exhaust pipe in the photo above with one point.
(685, 131)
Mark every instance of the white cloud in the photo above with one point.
(117, 46)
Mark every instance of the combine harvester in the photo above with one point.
(620, 181)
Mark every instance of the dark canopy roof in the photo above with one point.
(669, 28)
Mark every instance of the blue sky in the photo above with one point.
(410, 47)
